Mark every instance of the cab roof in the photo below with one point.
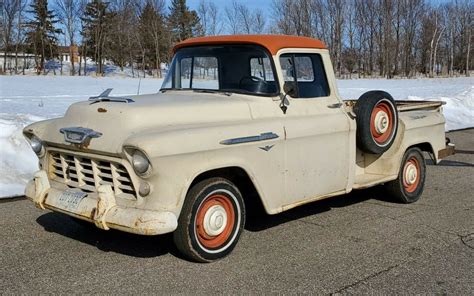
(272, 43)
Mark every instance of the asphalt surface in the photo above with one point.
(354, 244)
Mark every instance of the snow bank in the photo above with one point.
(17, 160)
(458, 93)
(26, 99)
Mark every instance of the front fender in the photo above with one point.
(178, 156)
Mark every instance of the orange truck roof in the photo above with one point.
(271, 42)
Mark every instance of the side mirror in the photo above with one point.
(289, 88)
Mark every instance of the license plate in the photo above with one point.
(70, 200)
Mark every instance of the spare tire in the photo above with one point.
(377, 121)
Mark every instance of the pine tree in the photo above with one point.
(97, 21)
(153, 35)
(41, 34)
(183, 23)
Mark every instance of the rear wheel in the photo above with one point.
(211, 220)
(409, 185)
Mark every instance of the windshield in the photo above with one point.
(224, 68)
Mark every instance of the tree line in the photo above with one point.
(367, 38)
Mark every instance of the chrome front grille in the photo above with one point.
(88, 174)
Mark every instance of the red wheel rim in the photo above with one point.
(411, 174)
(381, 137)
(206, 239)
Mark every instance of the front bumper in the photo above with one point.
(101, 209)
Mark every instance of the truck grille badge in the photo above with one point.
(78, 135)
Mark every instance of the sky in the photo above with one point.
(264, 5)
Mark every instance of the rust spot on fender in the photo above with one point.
(101, 110)
(140, 220)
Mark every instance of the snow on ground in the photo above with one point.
(458, 93)
(26, 99)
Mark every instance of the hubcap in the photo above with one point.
(411, 173)
(381, 122)
(215, 220)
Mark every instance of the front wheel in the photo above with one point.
(211, 220)
(409, 185)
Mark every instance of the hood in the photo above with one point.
(117, 121)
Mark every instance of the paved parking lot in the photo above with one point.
(358, 243)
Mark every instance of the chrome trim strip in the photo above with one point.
(261, 137)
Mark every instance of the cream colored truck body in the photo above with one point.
(182, 134)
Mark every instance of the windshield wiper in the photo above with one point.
(212, 91)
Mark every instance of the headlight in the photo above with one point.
(36, 145)
(140, 162)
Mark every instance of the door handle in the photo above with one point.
(334, 106)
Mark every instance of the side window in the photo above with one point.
(286, 62)
(304, 69)
(307, 71)
(261, 68)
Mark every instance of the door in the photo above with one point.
(317, 130)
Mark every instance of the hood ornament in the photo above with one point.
(79, 135)
(104, 97)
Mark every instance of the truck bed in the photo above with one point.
(404, 105)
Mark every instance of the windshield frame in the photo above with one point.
(236, 91)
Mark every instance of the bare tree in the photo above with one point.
(9, 12)
(240, 19)
(215, 26)
(432, 42)
(449, 37)
(336, 12)
(259, 22)
(435, 65)
(231, 20)
(244, 17)
(209, 16)
(83, 29)
(69, 12)
(296, 17)
(468, 51)
(468, 24)
(20, 34)
(414, 10)
(282, 10)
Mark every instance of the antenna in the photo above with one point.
(139, 82)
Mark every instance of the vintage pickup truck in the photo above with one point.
(238, 120)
